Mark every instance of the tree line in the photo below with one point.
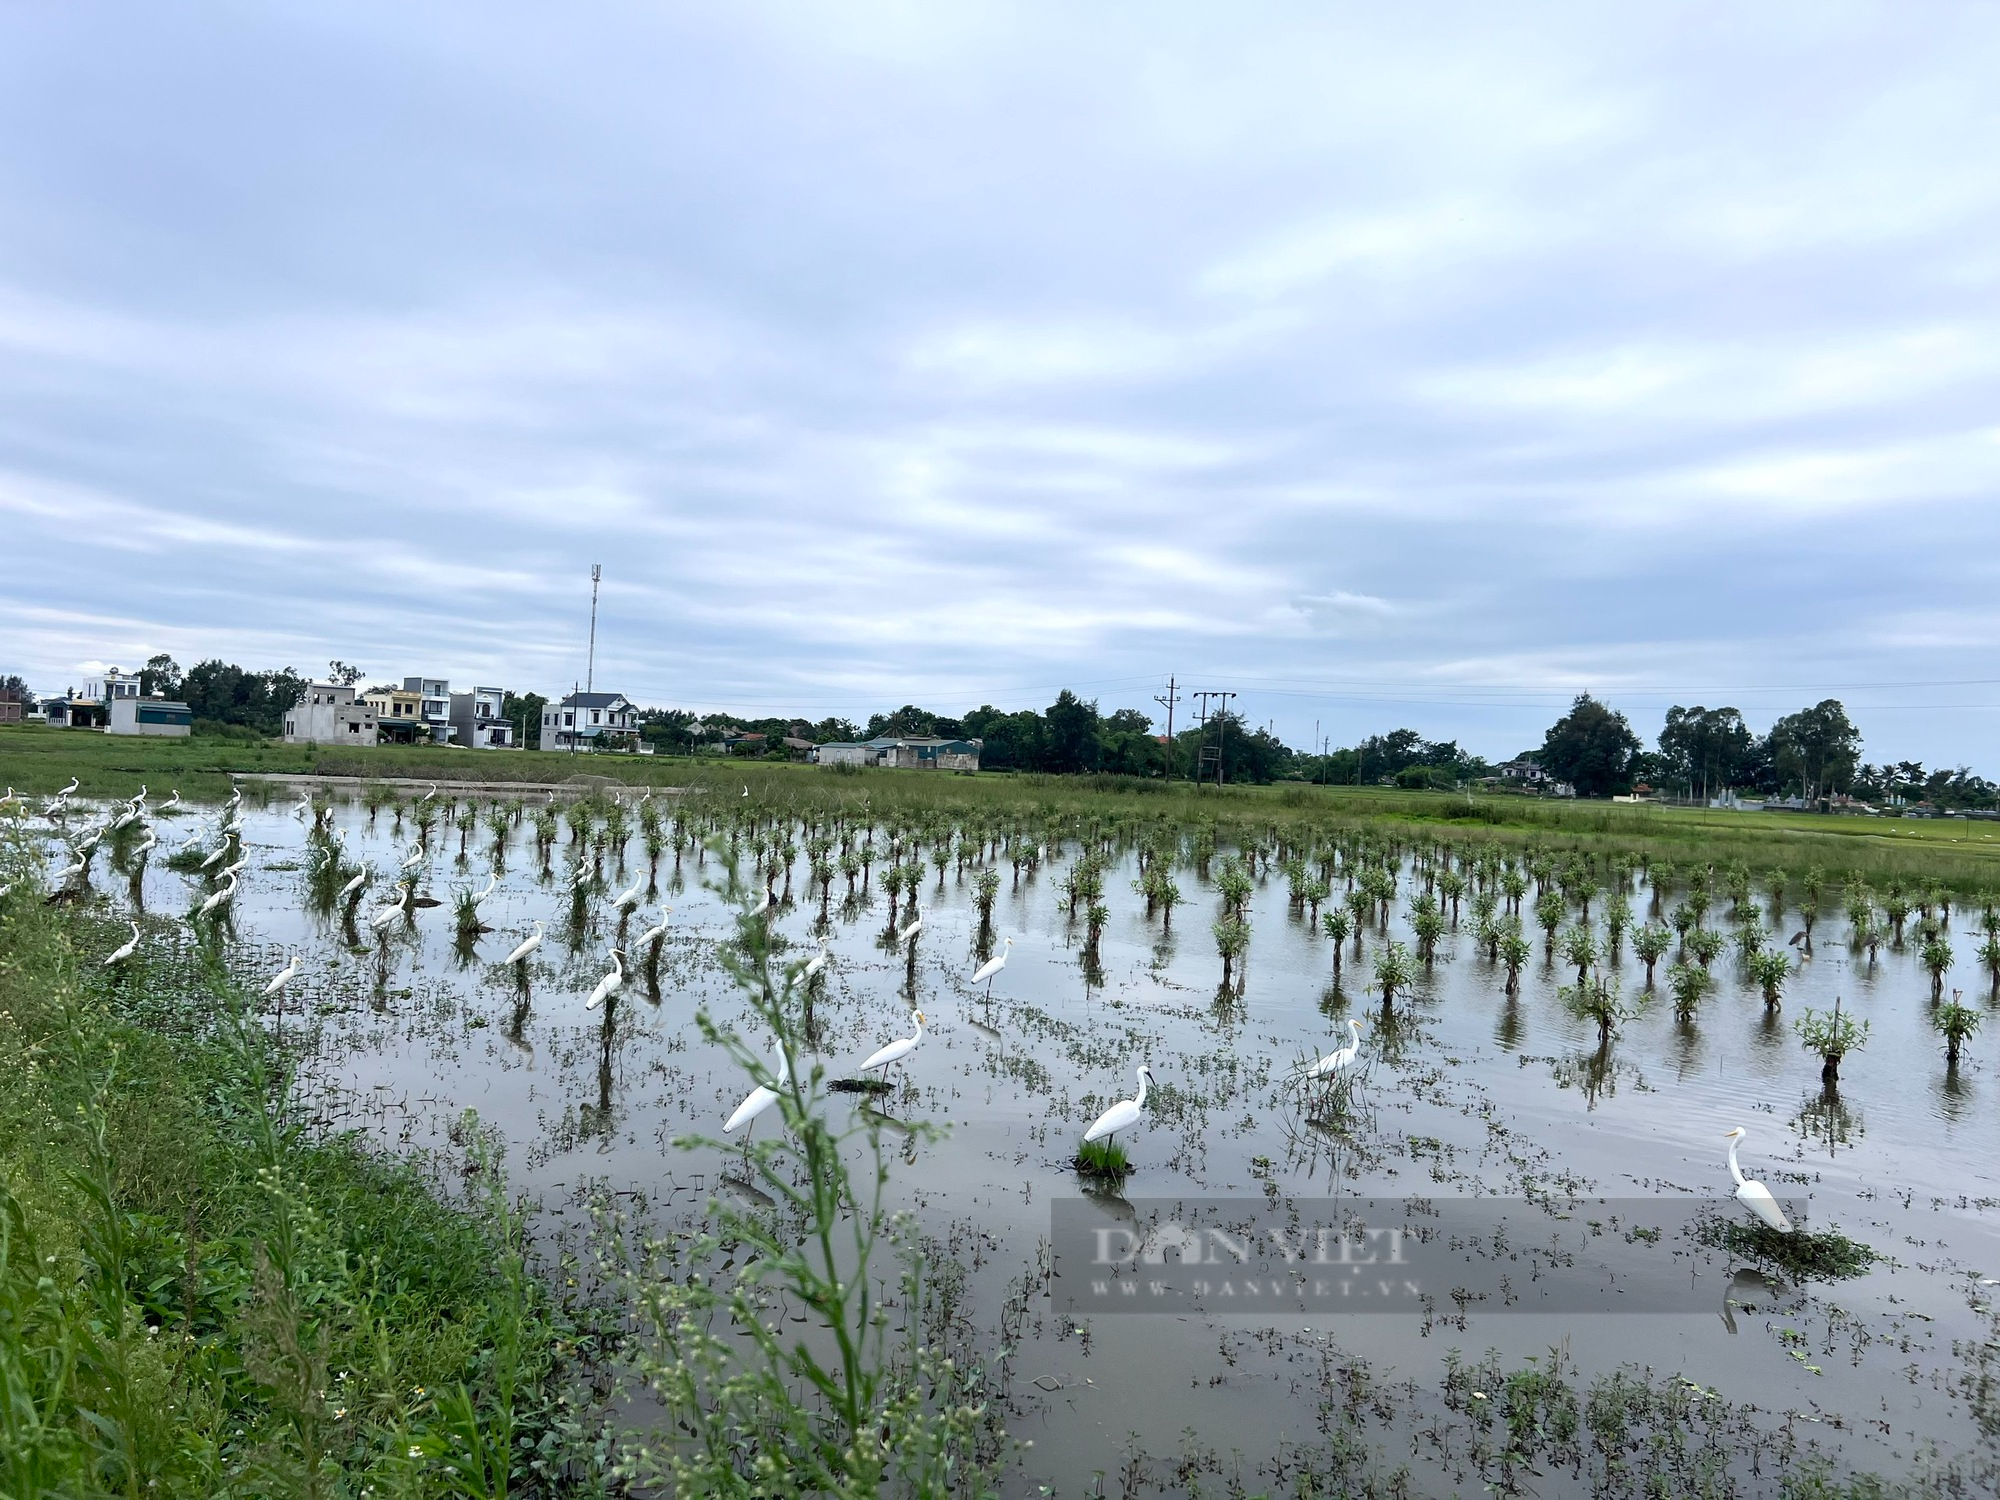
(1701, 752)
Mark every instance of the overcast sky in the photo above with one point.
(1389, 365)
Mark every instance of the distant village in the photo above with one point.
(426, 710)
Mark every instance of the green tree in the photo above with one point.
(524, 712)
(1704, 749)
(1816, 748)
(1012, 741)
(1592, 748)
(223, 693)
(161, 676)
(1072, 743)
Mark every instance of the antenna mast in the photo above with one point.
(590, 669)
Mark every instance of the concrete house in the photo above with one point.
(160, 717)
(91, 707)
(396, 713)
(433, 706)
(591, 721)
(910, 752)
(330, 713)
(478, 721)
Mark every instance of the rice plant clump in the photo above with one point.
(1804, 1255)
(1106, 1159)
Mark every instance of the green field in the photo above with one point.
(1963, 855)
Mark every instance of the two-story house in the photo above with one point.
(433, 706)
(591, 721)
(330, 713)
(478, 720)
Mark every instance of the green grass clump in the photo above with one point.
(1804, 1255)
(197, 1297)
(1103, 1159)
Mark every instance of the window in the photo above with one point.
(596, 717)
(569, 721)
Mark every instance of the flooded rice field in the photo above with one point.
(1472, 1101)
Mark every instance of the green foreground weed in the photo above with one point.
(198, 1298)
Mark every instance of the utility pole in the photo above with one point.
(1221, 716)
(1172, 697)
(590, 669)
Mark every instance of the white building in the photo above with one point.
(330, 713)
(591, 721)
(131, 714)
(478, 720)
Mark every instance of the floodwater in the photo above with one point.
(1480, 1095)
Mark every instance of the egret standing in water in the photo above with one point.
(916, 925)
(526, 948)
(761, 1097)
(628, 898)
(118, 956)
(384, 915)
(610, 984)
(993, 966)
(887, 1057)
(361, 878)
(814, 965)
(1124, 1114)
(655, 933)
(1333, 1062)
(283, 977)
(1752, 1194)
(224, 894)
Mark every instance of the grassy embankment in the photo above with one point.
(1959, 854)
(196, 1296)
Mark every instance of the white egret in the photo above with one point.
(305, 805)
(993, 965)
(1333, 1062)
(911, 931)
(67, 792)
(428, 795)
(417, 857)
(360, 879)
(152, 842)
(610, 984)
(190, 841)
(238, 866)
(172, 802)
(653, 934)
(69, 872)
(1752, 1194)
(817, 963)
(119, 955)
(384, 915)
(223, 895)
(283, 977)
(491, 882)
(1125, 1113)
(746, 791)
(526, 948)
(11, 797)
(217, 855)
(761, 1098)
(628, 898)
(762, 906)
(886, 1057)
